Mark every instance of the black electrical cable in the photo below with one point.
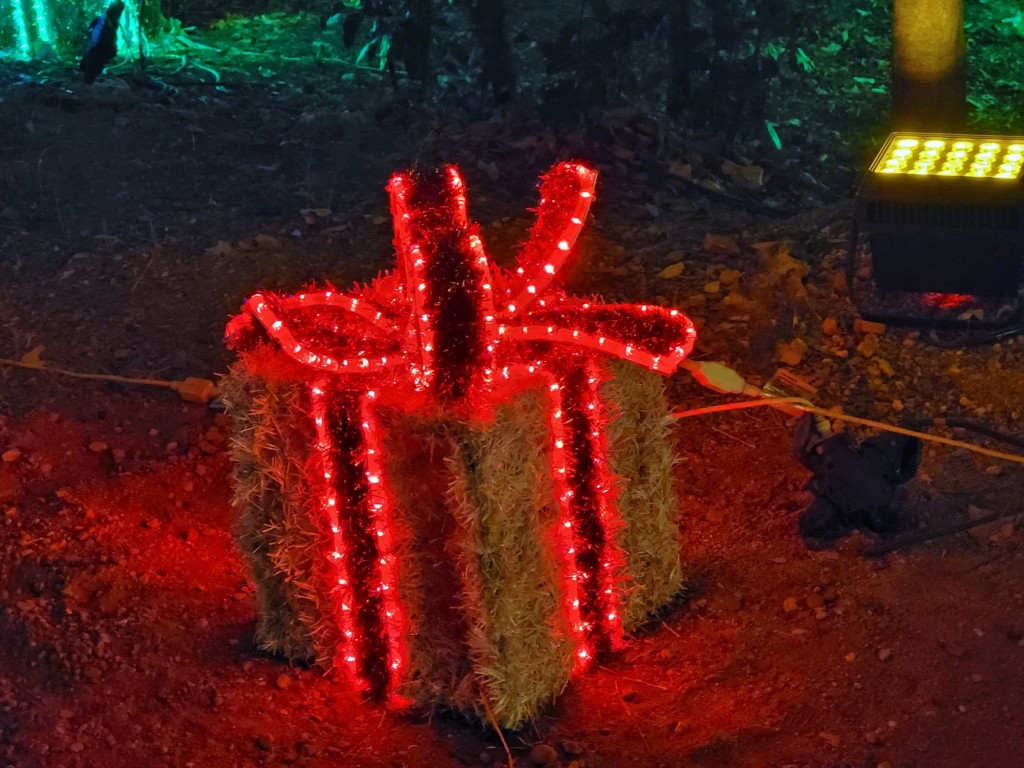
(970, 338)
(974, 426)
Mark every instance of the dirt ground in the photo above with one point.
(134, 223)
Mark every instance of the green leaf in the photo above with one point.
(772, 134)
(773, 51)
(804, 60)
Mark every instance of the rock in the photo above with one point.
(713, 287)
(543, 754)
(720, 245)
(866, 327)
(829, 326)
(868, 347)
(283, 681)
(97, 446)
(839, 285)
(222, 248)
(832, 739)
(884, 654)
(682, 170)
(748, 176)
(791, 354)
(790, 605)
(815, 601)
(672, 270)
(10, 456)
(267, 242)
(729, 277)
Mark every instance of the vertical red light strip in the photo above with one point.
(565, 534)
(355, 505)
(590, 491)
(328, 507)
(412, 263)
(490, 325)
(379, 501)
(613, 560)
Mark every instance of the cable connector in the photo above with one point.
(720, 378)
(195, 390)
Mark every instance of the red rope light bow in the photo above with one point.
(450, 327)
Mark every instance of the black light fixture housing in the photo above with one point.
(942, 214)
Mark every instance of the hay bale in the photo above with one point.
(475, 513)
(642, 455)
(280, 540)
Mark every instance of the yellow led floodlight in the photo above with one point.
(914, 154)
(941, 213)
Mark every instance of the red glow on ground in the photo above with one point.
(947, 300)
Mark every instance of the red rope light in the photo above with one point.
(448, 330)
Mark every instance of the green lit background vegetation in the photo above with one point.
(828, 60)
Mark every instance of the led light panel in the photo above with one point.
(989, 157)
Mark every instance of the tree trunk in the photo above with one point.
(497, 64)
(680, 56)
(929, 65)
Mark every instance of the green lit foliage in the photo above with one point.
(428, 40)
(995, 46)
(38, 29)
(389, 33)
(708, 61)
